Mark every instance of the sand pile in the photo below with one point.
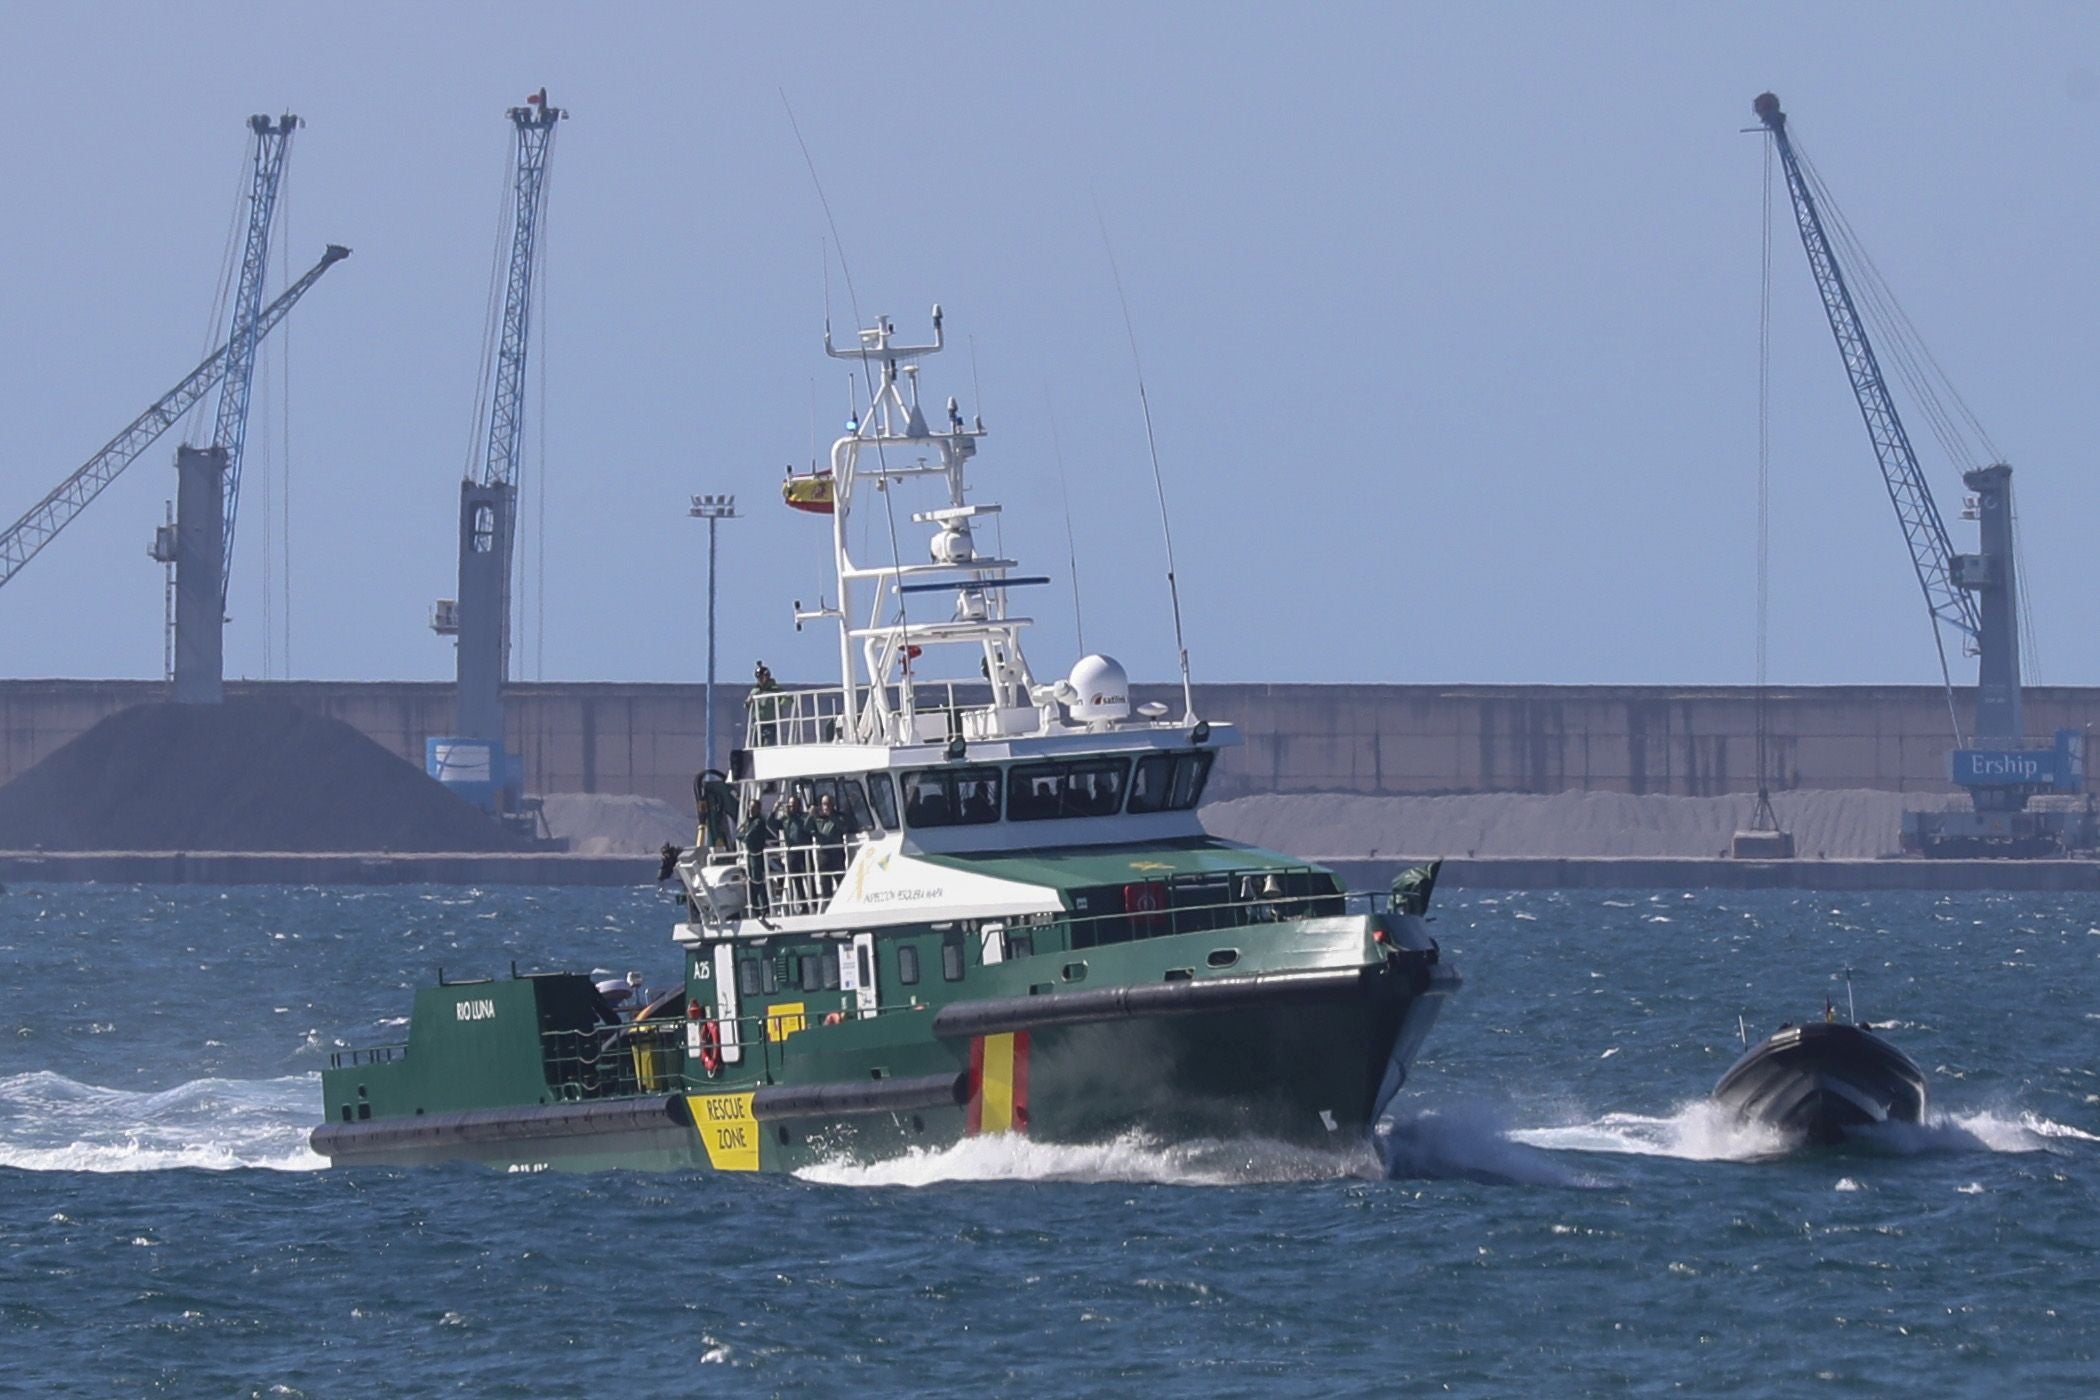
(1839, 822)
(248, 775)
(616, 824)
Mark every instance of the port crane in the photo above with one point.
(474, 760)
(22, 541)
(198, 544)
(1972, 598)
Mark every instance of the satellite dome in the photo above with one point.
(1102, 690)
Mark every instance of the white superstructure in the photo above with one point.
(925, 763)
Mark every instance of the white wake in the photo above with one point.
(1131, 1157)
(51, 1123)
(1702, 1131)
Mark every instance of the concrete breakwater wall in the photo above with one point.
(646, 739)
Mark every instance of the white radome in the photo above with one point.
(1101, 689)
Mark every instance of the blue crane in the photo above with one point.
(1973, 596)
(473, 760)
(40, 525)
(273, 142)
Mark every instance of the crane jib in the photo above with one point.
(41, 524)
(1924, 531)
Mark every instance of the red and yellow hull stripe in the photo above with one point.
(998, 1084)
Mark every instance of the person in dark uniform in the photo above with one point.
(766, 701)
(830, 829)
(791, 830)
(756, 834)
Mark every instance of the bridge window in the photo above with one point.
(810, 974)
(882, 797)
(1169, 782)
(846, 793)
(1088, 787)
(951, 796)
(747, 976)
(907, 964)
(951, 957)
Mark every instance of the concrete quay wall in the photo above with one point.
(1488, 873)
(1392, 739)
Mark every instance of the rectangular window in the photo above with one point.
(1090, 787)
(907, 964)
(1020, 945)
(951, 957)
(951, 796)
(747, 976)
(771, 978)
(845, 794)
(831, 973)
(1169, 782)
(811, 977)
(882, 798)
(864, 962)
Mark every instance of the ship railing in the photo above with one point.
(1199, 902)
(811, 716)
(615, 1061)
(366, 1055)
(792, 879)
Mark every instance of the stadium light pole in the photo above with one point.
(714, 510)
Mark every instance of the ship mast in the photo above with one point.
(888, 444)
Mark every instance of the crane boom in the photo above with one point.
(1924, 532)
(36, 529)
(534, 123)
(273, 142)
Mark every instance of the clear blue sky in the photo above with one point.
(1448, 315)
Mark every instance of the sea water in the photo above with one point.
(1553, 1209)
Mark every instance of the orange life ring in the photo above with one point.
(710, 1049)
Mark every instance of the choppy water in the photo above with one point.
(1564, 1216)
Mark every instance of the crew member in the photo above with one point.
(756, 834)
(830, 829)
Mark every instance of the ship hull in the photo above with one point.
(1819, 1082)
(1309, 1058)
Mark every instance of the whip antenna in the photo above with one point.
(1166, 529)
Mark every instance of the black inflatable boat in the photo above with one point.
(1819, 1080)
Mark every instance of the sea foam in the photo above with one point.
(51, 1123)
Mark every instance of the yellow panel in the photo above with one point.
(998, 1085)
(728, 1130)
(784, 1019)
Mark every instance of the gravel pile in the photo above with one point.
(247, 775)
(616, 824)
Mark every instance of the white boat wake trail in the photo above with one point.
(51, 1123)
(1700, 1131)
(1129, 1158)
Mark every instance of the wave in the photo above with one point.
(1699, 1131)
(51, 1123)
(1131, 1157)
(1702, 1131)
(1471, 1141)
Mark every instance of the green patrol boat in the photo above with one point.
(1004, 916)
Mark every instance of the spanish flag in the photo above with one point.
(811, 493)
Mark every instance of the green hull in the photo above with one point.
(1298, 1031)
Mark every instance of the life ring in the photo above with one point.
(710, 1049)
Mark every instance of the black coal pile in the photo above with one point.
(247, 775)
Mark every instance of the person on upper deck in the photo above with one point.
(767, 703)
(831, 829)
(791, 830)
(756, 833)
